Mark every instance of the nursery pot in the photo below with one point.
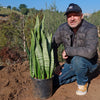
(42, 88)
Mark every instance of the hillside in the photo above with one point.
(5, 11)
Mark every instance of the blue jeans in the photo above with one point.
(78, 69)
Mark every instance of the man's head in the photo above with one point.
(74, 15)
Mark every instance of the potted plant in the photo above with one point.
(41, 61)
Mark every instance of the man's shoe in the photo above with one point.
(82, 89)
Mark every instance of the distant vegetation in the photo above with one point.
(16, 29)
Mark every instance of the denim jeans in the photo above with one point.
(78, 69)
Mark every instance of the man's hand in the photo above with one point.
(58, 70)
(64, 55)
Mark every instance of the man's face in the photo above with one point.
(74, 19)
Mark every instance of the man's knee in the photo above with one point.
(77, 59)
(77, 62)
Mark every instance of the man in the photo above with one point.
(80, 40)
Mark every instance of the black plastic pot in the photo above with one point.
(42, 88)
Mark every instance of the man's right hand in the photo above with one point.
(64, 55)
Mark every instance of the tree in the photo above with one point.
(9, 7)
(21, 6)
(24, 11)
(14, 8)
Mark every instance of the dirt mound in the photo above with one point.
(16, 84)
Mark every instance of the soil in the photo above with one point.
(16, 84)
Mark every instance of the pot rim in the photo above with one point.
(42, 79)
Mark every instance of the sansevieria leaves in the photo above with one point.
(40, 54)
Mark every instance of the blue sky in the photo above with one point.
(88, 6)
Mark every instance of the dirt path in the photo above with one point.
(16, 84)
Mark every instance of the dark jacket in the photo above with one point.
(83, 43)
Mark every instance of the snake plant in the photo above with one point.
(40, 54)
